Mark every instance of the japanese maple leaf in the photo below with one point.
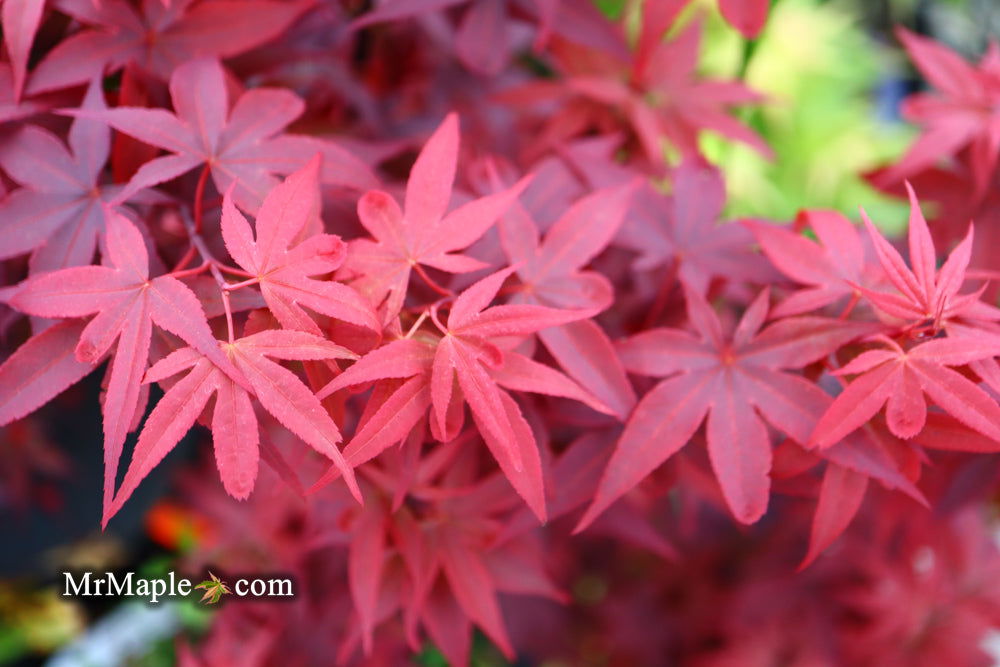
(20, 20)
(829, 268)
(899, 378)
(552, 270)
(214, 589)
(448, 551)
(483, 41)
(466, 366)
(957, 115)
(283, 270)
(658, 94)
(421, 233)
(466, 352)
(243, 144)
(158, 35)
(126, 303)
(551, 273)
(927, 299)
(234, 424)
(57, 213)
(41, 369)
(683, 232)
(725, 378)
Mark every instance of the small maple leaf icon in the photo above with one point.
(214, 589)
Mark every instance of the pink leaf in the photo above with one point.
(840, 498)
(40, 370)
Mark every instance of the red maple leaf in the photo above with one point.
(234, 425)
(159, 36)
(282, 269)
(421, 233)
(657, 94)
(829, 267)
(957, 115)
(684, 233)
(451, 557)
(552, 274)
(898, 378)
(126, 303)
(466, 364)
(57, 213)
(927, 300)
(729, 379)
(243, 144)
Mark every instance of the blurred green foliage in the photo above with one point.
(819, 72)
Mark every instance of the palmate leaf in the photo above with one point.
(899, 379)
(125, 303)
(465, 366)
(234, 424)
(439, 574)
(214, 589)
(950, 114)
(57, 213)
(157, 35)
(657, 93)
(552, 273)
(829, 268)
(684, 233)
(422, 232)
(925, 293)
(242, 144)
(729, 380)
(283, 272)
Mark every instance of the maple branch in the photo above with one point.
(246, 283)
(191, 272)
(199, 194)
(431, 282)
(185, 260)
(434, 317)
(233, 270)
(229, 315)
(213, 266)
(416, 325)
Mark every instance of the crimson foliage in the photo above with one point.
(458, 312)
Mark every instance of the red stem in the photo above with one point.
(186, 259)
(191, 272)
(233, 270)
(246, 283)
(199, 193)
(850, 306)
(430, 281)
(209, 259)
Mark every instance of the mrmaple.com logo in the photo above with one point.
(110, 584)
